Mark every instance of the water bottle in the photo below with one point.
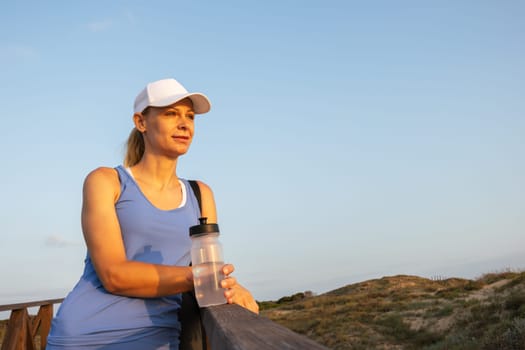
(207, 262)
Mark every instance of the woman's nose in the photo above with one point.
(183, 124)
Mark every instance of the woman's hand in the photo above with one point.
(235, 293)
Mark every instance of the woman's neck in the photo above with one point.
(159, 173)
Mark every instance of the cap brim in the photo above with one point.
(201, 103)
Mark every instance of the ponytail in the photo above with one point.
(135, 148)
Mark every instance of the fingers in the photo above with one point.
(229, 294)
(253, 306)
(228, 282)
(234, 293)
(228, 269)
(239, 295)
(229, 285)
(248, 303)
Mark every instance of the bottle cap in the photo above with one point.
(203, 228)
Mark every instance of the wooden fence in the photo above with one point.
(228, 327)
(28, 333)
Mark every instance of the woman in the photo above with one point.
(135, 220)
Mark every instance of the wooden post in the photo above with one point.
(42, 324)
(18, 335)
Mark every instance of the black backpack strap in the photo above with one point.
(192, 333)
(192, 330)
(197, 191)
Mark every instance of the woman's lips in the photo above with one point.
(181, 138)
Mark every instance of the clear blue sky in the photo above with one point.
(347, 140)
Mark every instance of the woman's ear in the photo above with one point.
(140, 122)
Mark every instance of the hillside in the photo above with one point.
(409, 312)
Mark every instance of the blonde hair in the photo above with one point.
(135, 148)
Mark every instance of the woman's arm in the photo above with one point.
(104, 242)
(235, 293)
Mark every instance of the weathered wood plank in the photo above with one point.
(231, 327)
(30, 304)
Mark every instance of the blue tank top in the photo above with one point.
(91, 318)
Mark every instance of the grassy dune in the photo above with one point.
(409, 312)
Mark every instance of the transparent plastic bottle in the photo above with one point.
(207, 262)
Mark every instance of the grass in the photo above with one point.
(410, 312)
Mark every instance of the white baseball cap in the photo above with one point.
(165, 92)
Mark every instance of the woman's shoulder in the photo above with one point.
(203, 185)
(103, 172)
(208, 202)
(204, 188)
(103, 176)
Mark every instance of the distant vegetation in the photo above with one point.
(409, 312)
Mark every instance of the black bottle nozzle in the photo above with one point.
(203, 227)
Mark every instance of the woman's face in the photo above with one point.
(167, 130)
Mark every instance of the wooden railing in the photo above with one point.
(231, 327)
(228, 327)
(28, 333)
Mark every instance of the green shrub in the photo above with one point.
(456, 341)
(304, 326)
(473, 285)
(287, 299)
(489, 278)
(446, 310)
(449, 293)
(515, 302)
(519, 279)
(393, 326)
(266, 305)
(507, 336)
